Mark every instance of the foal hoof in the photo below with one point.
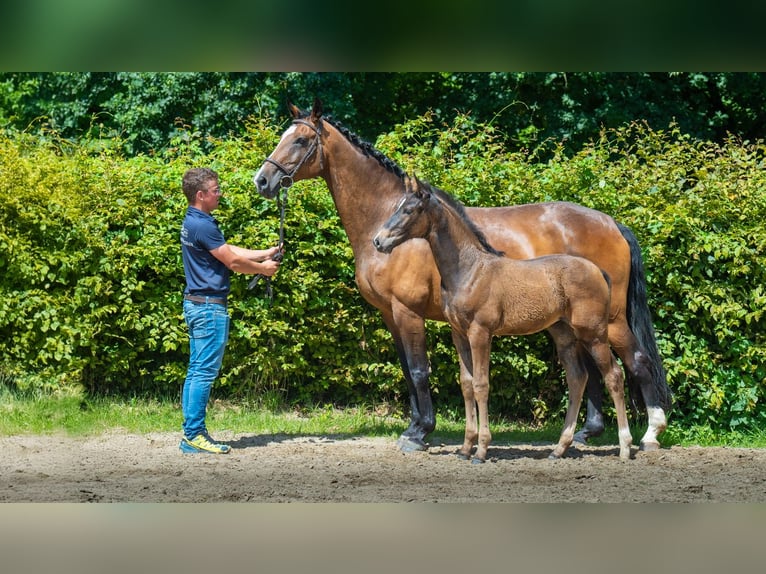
(649, 446)
(410, 444)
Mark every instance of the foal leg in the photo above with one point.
(576, 375)
(481, 341)
(571, 358)
(615, 383)
(466, 386)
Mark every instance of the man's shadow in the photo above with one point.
(262, 440)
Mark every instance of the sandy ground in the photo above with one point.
(120, 467)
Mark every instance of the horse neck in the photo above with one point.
(365, 192)
(455, 247)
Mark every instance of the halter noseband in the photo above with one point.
(287, 179)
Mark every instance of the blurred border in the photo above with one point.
(509, 35)
(515, 35)
(339, 538)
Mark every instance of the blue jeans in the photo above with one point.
(208, 325)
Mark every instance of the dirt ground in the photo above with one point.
(120, 467)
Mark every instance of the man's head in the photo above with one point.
(200, 185)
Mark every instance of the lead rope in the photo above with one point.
(282, 200)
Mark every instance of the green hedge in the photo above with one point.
(92, 279)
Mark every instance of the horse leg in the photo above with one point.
(640, 370)
(615, 383)
(466, 386)
(576, 374)
(594, 418)
(408, 331)
(481, 342)
(636, 345)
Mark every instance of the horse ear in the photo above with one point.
(316, 112)
(293, 110)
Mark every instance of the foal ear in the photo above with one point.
(316, 112)
(409, 187)
(419, 189)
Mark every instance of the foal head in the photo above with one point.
(408, 220)
(421, 206)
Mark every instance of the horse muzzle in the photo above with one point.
(267, 187)
(382, 245)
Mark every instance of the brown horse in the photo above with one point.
(485, 294)
(366, 187)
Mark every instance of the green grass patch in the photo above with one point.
(24, 413)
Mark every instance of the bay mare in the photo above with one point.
(485, 294)
(366, 186)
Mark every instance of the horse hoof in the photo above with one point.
(477, 461)
(581, 437)
(554, 456)
(649, 446)
(409, 444)
(462, 456)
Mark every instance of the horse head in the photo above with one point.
(298, 154)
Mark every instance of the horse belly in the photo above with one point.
(506, 306)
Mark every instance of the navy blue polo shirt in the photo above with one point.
(205, 275)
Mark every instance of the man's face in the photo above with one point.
(209, 196)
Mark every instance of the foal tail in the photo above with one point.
(640, 322)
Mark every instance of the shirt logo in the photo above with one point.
(185, 237)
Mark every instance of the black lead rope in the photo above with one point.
(282, 200)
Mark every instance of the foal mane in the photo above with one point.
(365, 147)
(459, 209)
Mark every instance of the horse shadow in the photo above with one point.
(526, 451)
(497, 452)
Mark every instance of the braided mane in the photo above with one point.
(365, 147)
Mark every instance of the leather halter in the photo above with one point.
(287, 179)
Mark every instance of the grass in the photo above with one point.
(23, 413)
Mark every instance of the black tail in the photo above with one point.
(640, 322)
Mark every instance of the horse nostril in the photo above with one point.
(376, 242)
(260, 182)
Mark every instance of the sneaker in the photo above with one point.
(203, 443)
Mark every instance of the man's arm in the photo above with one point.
(250, 261)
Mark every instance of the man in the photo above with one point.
(208, 261)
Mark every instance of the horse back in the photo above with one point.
(537, 229)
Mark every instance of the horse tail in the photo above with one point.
(640, 323)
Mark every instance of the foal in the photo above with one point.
(485, 294)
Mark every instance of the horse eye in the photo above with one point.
(301, 141)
